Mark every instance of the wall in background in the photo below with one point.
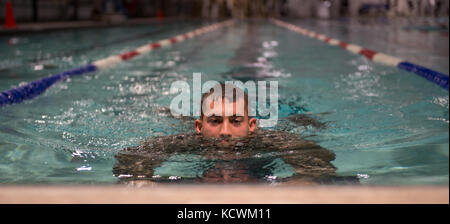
(65, 10)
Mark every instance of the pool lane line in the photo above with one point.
(436, 77)
(99, 46)
(35, 88)
(109, 61)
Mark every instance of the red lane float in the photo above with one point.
(370, 54)
(431, 75)
(37, 87)
(112, 60)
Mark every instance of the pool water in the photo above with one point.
(423, 41)
(386, 126)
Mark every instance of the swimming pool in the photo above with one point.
(386, 126)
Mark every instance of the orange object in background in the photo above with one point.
(10, 22)
(160, 14)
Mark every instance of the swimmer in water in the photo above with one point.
(230, 138)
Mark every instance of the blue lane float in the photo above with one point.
(433, 76)
(35, 88)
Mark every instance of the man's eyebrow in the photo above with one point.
(236, 117)
(214, 116)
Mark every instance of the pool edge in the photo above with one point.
(224, 194)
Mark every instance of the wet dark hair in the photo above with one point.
(235, 95)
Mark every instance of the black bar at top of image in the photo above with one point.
(35, 11)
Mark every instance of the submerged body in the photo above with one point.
(244, 160)
(228, 148)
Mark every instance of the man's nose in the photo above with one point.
(225, 130)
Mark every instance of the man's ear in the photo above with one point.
(198, 126)
(252, 124)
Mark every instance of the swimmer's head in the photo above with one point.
(224, 114)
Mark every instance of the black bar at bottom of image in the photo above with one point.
(229, 213)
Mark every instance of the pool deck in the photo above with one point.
(223, 194)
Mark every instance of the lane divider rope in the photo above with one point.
(429, 74)
(35, 88)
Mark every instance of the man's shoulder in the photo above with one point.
(163, 143)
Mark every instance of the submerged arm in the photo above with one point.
(309, 160)
(134, 165)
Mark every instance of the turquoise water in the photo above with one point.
(386, 126)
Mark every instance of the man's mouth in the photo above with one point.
(225, 141)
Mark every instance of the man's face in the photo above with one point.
(216, 123)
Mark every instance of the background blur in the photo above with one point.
(67, 10)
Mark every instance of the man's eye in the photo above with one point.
(215, 121)
(236, 121)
